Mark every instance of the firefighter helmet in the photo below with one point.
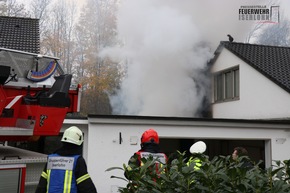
(198, 147)
(73, 135)
(150, 136)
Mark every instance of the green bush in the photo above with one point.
(219, 175)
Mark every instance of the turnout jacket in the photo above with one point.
(68, 178)
(147, 150)
(150, 148)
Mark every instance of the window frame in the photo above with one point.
(222, 93)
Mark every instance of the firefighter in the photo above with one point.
(66, 170)
(196, 150)
(196, 158)
(149, 147)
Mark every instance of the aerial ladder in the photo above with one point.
(35, 97)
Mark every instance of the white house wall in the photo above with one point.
(103, 149)
(260, 98)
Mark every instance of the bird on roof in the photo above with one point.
(231, 39)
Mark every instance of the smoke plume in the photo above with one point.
(166, 46)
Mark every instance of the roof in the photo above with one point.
(19, 34)
(272, 61)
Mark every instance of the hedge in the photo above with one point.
(219, 175)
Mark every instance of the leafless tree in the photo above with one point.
(271, 33)
(275, 34)
(40, 9)
(58, 39)
(12, 8)
(254, 32)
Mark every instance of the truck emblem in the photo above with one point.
(42, 118)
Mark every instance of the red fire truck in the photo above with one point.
(35, 96)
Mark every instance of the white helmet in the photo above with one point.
(198, 147)
(73, 135)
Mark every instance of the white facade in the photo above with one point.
(260, 98)
(111, 141)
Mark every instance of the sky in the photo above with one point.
(167, 44)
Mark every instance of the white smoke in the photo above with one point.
(167, 44)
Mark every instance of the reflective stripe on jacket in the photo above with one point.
(160, 157)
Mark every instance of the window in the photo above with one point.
(226, 85)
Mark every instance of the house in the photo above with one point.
(250, 107)
(251, 81)
(20, 33)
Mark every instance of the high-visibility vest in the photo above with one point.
(197, 165)
(197, 162)
(60, 174)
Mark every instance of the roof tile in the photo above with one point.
(20, 34)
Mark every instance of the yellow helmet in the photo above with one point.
(73, 135)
